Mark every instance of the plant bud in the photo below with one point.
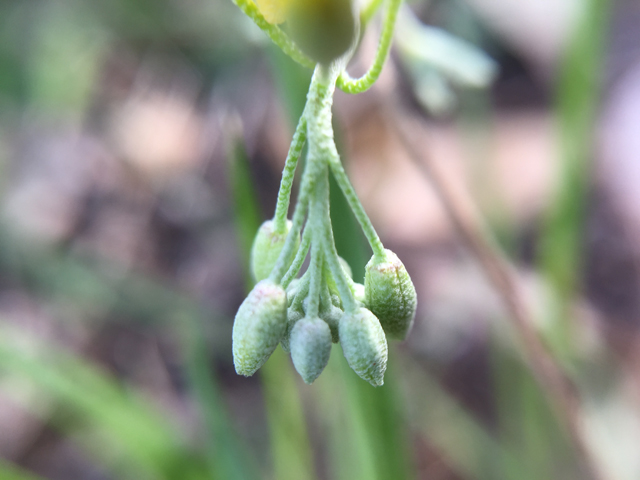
(274, 11)
(390, 295)
(364, 345)
(358, 292)
(266, 248)
(293, 316)
(323, 29)
(336, 301)
(346, 268)
(259, 326)
(310, 348)
(332, 315)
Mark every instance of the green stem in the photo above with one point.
(284, 259)
(296, 265)
(302, 292)
(276, 35)
(320, 135)
(325, 236)
(288, 175)
(315, 282)
(368, 12)
(362, 84)
(358, 210)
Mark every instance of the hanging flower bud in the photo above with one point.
(266, 248)
(274, 11)
(364, 345)
(390, 294)
(358, 292)
(332, 315)
(323, 29)
(293, 316)
(310, 347)
(259, 326)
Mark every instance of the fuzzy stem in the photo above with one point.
(318, 115)
(325, 236)
(274, 32)
(302, 292)
(358, 210)
(288, 175)
(301, 254)
(315, 282)
(284, 258)
(362, 84)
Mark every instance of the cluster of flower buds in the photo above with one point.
(324, 305)
(306, 314)
(270, 315)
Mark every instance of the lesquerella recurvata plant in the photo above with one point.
(324, 306)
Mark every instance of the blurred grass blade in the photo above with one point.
(227, 457)
(349, 449)
(377, 409)
(381, 411)
(466, 445)
(245, 202)
(577, 103)
(139, 435)
(9, 471)
(291, 452)
(292, 455)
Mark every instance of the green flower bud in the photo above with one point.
(323, 29)
(336, 301)
(329, 312)
(266, 248)
(346, 268)
(390, 294)
(332, 315)
(364, 345)
(293, 316)
(259, 326)
(310, 347)
(358, 292)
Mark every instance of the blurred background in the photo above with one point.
(141, 144)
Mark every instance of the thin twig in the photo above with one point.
(558, 387)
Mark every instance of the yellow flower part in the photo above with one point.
(274, 11)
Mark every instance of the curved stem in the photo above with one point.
(358, 210)
(288, 174)
(274, 32)
(362, 84)
(301, 254)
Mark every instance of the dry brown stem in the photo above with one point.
(557, 386)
